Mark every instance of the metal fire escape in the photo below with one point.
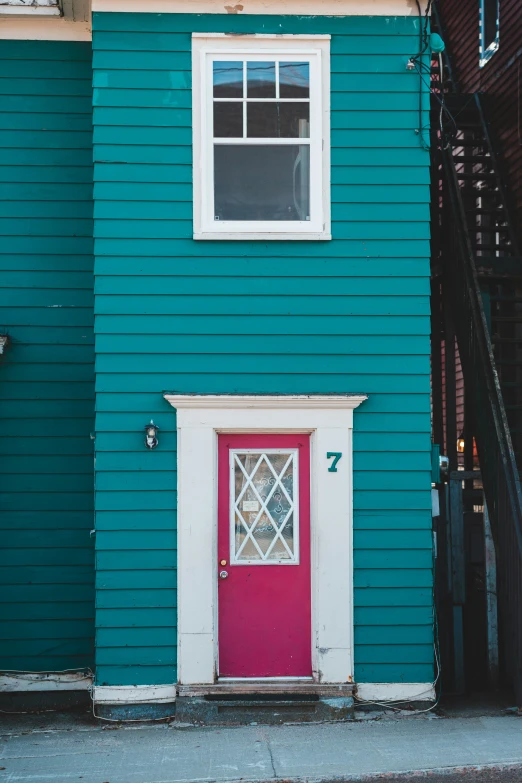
(477, 301)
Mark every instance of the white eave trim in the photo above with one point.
(35, 27)
(261, 402)
(29, 10)
(275, 7)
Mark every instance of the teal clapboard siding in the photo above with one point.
(47, 372)
(350, 315)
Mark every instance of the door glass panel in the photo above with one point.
(264, 507)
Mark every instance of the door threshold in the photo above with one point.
(264, 686)
(265, 679)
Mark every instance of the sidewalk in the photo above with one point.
(61, 749)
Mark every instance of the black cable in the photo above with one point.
(417, 60)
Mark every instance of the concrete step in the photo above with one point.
(271, 709)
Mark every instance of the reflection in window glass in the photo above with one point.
(261, 80)
(278, 120)
(228, 120)
(228, 79)
(294, 80)
(262, 182)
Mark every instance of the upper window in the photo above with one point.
(261, 138)
(489, 29)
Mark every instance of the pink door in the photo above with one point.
(264, 556)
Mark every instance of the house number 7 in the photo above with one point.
(335, 456)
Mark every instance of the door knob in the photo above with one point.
(223, 574)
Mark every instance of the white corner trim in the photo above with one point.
(262, 402)
(12, 682)
(329, 420)
(44, 29)
(395, 691)
(233, 7)
(134, 694)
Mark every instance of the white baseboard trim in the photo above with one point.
(396, 691)
(134, 694)
(28, 682)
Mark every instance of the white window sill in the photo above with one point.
(254, 235)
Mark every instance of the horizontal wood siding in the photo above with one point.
(47, 372)
(172, 314)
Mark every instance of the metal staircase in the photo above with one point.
(476, 261)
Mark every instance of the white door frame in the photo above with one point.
(329, 420)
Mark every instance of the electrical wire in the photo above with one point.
(417, 58)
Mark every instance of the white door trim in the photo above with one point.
(329, 420)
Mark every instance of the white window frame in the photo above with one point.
(270, 561)
(316, 49)
(200, 419)
(487, 52)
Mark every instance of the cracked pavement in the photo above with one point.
(60, 749)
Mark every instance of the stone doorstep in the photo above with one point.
(262, 687)
(242, 703)
(219, 711)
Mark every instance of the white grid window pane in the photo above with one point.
(261, 182)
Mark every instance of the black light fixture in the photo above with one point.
(461, 443)
(151, 431)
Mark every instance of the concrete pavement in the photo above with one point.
(56, 749)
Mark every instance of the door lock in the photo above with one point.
(223, 574)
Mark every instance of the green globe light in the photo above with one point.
(436, 43)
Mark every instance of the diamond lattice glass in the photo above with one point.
(265, 506)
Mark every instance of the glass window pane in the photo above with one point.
(228, 79)
(262, 120)
(264, 507)
(294, 80)
(228, 120)
(261, 80)
(256, 182)
(489, 22)
(278, 120)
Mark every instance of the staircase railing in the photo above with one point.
(495, 450)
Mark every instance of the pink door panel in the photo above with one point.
(264, 556)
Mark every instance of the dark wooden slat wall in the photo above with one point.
(500, 80)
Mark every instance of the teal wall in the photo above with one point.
(47, 373)
(350, 315)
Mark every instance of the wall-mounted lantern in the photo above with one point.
(461, 443)
(151, 431)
